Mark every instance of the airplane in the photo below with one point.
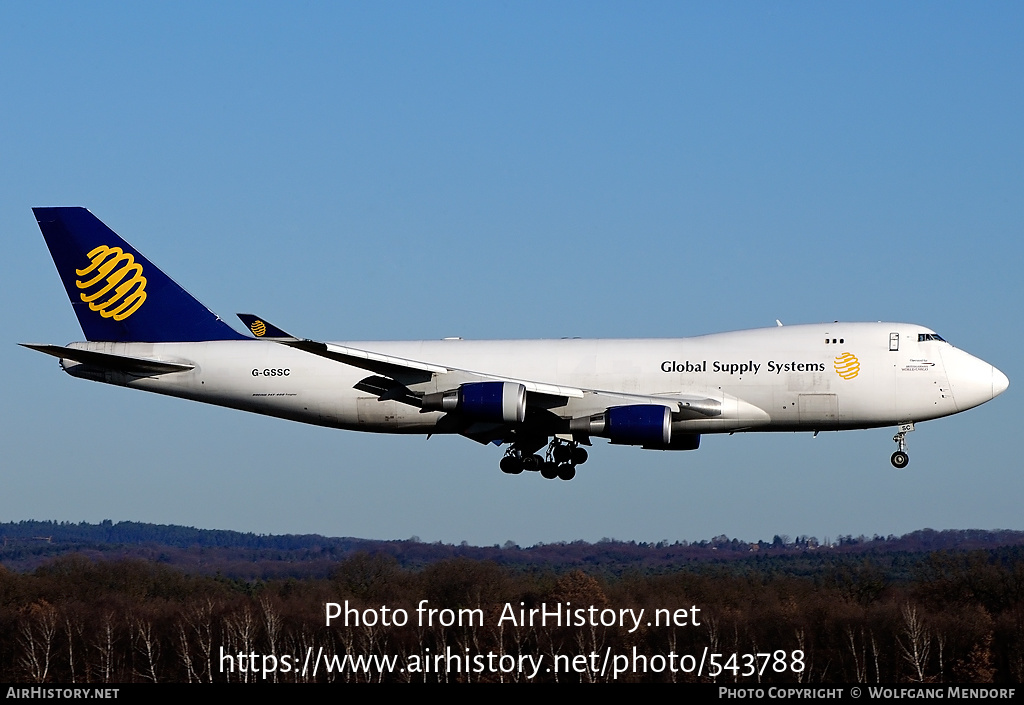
(543, 399)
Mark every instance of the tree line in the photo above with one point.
(942, 616)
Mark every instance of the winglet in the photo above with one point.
(261, 328)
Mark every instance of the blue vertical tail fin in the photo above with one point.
(117, 294)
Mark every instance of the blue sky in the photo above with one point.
(360, 171)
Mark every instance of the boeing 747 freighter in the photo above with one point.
(545, 400)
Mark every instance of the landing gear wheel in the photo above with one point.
(511, 465)
(561, 454)
(549, 471)
(900, 458)
(579, 456)
(566, 471)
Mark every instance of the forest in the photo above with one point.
(107, 610)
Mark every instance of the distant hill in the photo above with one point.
(25, 545)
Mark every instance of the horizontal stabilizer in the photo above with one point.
(121, 363)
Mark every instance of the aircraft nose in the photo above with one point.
(999, 382)
(973, 381)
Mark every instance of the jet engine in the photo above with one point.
(483, 401)
(636, 425)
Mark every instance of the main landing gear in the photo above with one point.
(559, 461)
(900, 458)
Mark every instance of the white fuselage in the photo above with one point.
(787, 378)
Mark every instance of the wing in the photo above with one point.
(494, 408)
(400, 370)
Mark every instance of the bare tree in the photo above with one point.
(241, 632)
(72, 629)
(197, 619)
(915, 643)
(144, 641)
(860, 665)
(714, 637)
(37, 631)
(271, 626)
(103, 642)
(186, 651)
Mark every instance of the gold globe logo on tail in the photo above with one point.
(847, 365)
(258, 328)
(113, 283)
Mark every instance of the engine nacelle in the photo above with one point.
(482, 401)
(637, 425)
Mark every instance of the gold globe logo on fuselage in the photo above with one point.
(113, 283)
(847, 365)
(258, 328)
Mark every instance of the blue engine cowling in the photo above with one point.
(482, 401)
(637, 424)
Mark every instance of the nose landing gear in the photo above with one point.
(900, 459)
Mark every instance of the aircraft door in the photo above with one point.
(822, 408)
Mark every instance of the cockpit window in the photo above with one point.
(921, 337)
